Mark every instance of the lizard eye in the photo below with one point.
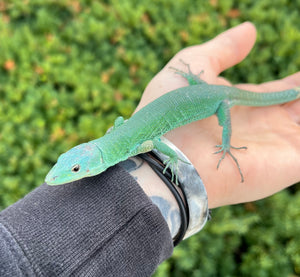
(76, 168)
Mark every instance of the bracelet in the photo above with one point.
(193, 204)
(158, 168)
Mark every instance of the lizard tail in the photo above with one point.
(248, 98)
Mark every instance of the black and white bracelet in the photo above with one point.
(158, 168)
(190, 192)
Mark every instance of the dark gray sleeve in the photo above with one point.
(99, 226)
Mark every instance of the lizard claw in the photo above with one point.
(225, 150)
(172, 163)
(193, 79)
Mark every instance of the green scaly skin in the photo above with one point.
(142, 132)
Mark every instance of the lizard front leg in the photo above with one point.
(223, 114)
(193, 79)
(172, 160)
(119, 121)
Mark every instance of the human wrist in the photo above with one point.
(189, 192)
(156, 190)
(205, 164)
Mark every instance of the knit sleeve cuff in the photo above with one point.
(99, 226)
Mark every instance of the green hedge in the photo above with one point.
(69, 68)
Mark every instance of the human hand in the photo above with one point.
(271, 134)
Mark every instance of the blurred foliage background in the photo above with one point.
(68, 68)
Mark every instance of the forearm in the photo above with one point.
(96, 225)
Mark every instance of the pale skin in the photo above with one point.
(271, 134)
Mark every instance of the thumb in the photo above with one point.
(220, 53)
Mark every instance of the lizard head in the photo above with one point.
(83, 160)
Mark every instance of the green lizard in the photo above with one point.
(141, 133)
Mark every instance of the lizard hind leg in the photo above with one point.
(193, 79)
(223, 114)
